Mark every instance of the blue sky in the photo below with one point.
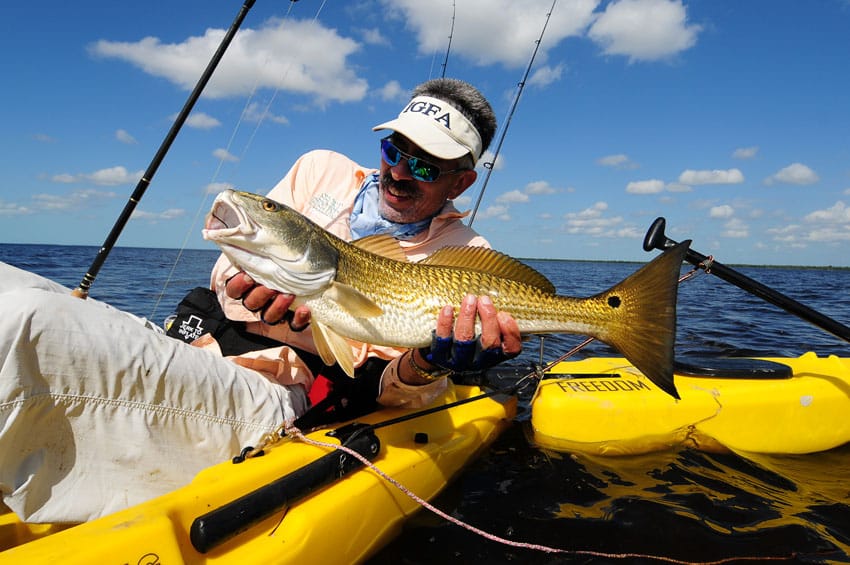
(731, 119)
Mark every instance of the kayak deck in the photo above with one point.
(607, 407)
(344, 522)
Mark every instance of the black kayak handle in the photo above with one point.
(656, 239)
(220, 524)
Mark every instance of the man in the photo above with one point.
(428, 159)
(98, 412)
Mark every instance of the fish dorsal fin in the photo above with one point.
(352, 301)
(489, 261)
(333, 348)
(381, 244)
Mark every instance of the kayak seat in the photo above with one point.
(732, 368)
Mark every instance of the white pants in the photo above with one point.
(99, 412)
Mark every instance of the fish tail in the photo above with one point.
(647, 304)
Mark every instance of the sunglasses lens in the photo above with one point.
(420, 169)
(423, 171)
(390, 153)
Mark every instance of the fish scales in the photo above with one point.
(418, 292)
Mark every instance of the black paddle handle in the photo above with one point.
(655, 239)
(219, 525)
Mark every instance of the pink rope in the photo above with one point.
(294, 432)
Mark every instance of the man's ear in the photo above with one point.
(464, 180)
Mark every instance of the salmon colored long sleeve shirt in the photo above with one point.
(322, 185)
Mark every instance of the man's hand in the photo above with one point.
(455, 345)
(272, 305)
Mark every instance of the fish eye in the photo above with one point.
(269, 206)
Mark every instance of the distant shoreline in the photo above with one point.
(215, 250)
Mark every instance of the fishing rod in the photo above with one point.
(489, 165)
(656, 239)
(83, 290)
(449, 46)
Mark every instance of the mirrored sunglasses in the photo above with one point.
(420, 169)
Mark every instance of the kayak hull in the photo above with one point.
(344, 522)
(605, 406)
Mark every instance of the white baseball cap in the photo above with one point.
(437, 127)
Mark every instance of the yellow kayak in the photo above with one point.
(286, 506)
(769, 405)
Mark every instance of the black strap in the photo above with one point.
(200, 312)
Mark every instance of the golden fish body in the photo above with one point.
(367, 291)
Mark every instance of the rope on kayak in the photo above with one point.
(294, 433)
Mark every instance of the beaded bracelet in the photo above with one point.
(425, 374)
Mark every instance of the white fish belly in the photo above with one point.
(398, 326)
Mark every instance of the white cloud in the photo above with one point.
(506, 36)
(546, 75)
(715, 176)
(839, 213)
(43, 137)
(299, 56)
(155, 217)
(795, 173)
(124, 137)
(374, 36)
(829, 225)
(539, 187)
(463, 201)
(392, 91)
(652, 186)
(736, 229)
(678, 187)
(618, 161)
(71, 201)
(112, 176)
(829, 234)
(13, 209)
(593, 222)
(256, 113)
(724, 211)
(200, 120)
(644, 30)
(745, 152)
(498, 211)
(487, 157)
(512, 197)
(223, 155)
(216, 187)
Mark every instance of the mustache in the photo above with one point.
(401, 186)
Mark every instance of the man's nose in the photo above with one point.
(401, 170)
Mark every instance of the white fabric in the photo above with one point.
(437, 127)
(98, 412)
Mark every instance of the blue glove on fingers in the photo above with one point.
(461, 356)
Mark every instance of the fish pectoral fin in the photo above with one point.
(333, 348)
(353, 301)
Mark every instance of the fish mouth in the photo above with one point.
(226, 219)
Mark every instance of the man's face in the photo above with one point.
(406, 200)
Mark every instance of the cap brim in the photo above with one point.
(427, 136)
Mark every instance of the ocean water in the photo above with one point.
(680, 504)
